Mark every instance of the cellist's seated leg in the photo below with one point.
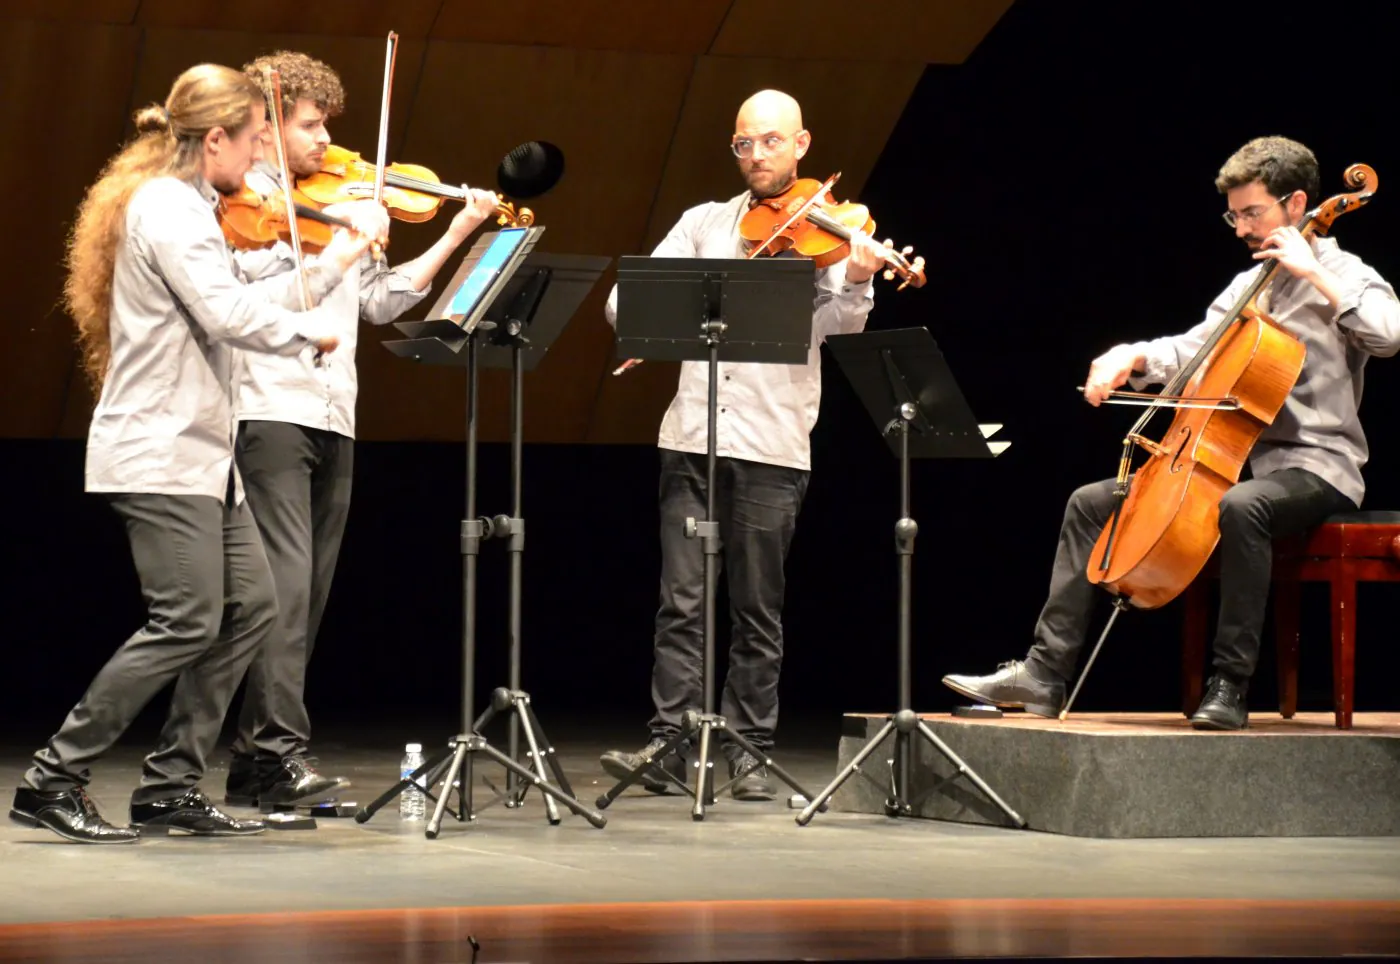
(1252, 515)
(1037, 683)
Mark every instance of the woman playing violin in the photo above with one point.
(295, 438)
(1306, 465)
(766, 414)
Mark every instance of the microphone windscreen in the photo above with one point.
(530, 170)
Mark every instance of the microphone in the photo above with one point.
(530, 170)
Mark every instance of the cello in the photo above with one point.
(1165, 523)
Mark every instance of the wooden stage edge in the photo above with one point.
(869, 930)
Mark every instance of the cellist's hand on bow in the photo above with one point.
(1109, 371)
(1288, 246)
(866, 257)
(479, 206)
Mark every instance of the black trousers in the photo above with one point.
(1252, 514)
(756, 506)
(298, 485)
(210, 604)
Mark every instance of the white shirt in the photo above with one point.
(163, 423)
(765, 413)
(1318, 428)
(297, 389)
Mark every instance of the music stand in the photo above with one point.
(501, 291)
(711, 309)
(905, 384)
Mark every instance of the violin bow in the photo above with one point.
(274, 83)
(382, 158)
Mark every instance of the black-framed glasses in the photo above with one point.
(1252, 214)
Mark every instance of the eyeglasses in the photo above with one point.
(1252, 214)
(771, 143)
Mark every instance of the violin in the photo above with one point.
(250, 221)
(1165, 521)
(807, 219)
(411, 192)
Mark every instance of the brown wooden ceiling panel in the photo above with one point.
(475, 103)
(646, 26)
(924, 31)
(75, 124)
(411, 19)
(850, 116)
(71, 11)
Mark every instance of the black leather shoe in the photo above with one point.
(244, 782)
(295, 782)
(1222, 708)
(755, 784)
(619, 763)
(1012, 686)
(193, 814)
(69, 813)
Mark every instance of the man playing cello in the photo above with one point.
(1305, 466)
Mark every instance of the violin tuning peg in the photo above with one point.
(908, 250)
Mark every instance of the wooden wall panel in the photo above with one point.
(55, 145)
(850, 115)
(411, 19)
(474, 104)
(922, 31)
(638, 25)
(71, 11)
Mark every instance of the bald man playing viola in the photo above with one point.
(765, 419)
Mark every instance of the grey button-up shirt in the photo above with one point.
(164, 420)
(765, 412)
(296, 388)
(1319, 428)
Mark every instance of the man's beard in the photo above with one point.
(778, 187)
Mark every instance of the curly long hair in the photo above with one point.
(169, 141)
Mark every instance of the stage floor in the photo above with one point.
(651, 851)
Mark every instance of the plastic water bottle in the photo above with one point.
(412, 803)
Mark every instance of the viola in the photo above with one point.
(806, 219)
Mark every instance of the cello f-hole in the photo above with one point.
(1176, 456)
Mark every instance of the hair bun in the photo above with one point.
(152, 119)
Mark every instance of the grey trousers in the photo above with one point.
(210, 604)
(756, 506)
(1252, 514)
(298, 485)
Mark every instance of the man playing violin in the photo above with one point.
(159, 308)
(1305, 466)
(766, 414)
(295, 440)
